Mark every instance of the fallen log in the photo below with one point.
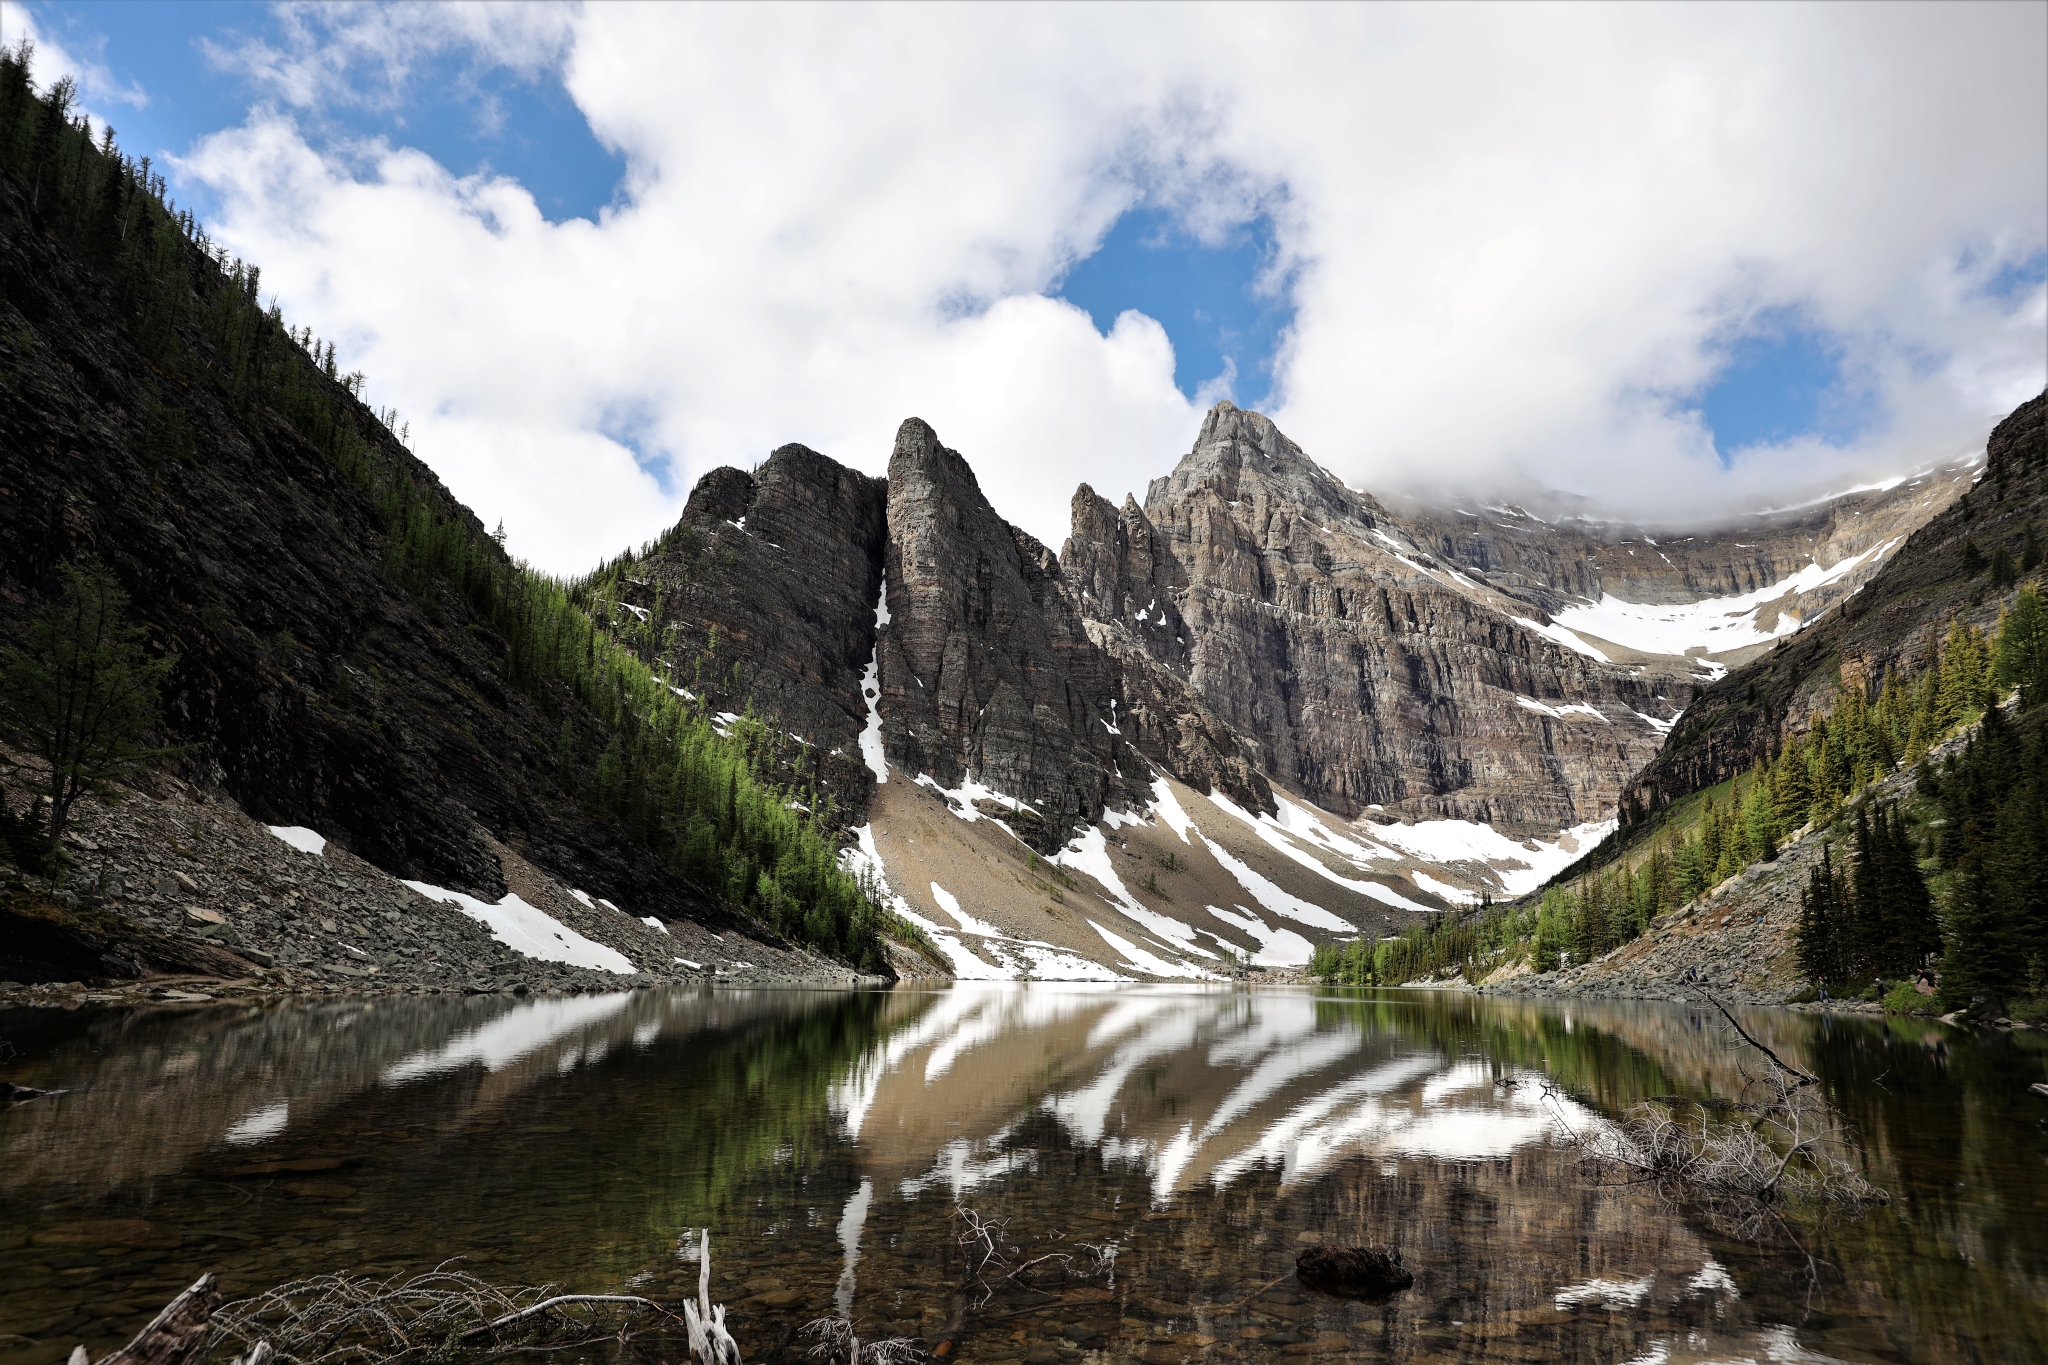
(174, 1336)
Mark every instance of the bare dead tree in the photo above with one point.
(1745, 1164)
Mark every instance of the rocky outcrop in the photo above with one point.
(764, 595)
(1367, 674)
(986, 668)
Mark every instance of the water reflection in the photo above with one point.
(1192, 1086)
(825, 1137)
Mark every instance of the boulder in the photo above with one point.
(1355, 1272)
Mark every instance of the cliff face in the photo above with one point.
(769, 593)
(986, 669)
(764, 595)
(1369, 674)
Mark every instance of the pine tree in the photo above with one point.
(82, 696)
(1818, 936)
(2021, 659)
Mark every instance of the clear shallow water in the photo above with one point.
(824, 1138)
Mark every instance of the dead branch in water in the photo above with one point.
(441, 1314)
(1790, 1070)
(986, 1267)
(838, 1341)
(1744, 1164)
(174, 1336)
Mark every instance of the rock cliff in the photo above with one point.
(1369, 673)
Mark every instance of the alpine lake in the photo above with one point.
(1182, 1145)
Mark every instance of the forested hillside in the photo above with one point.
(352, 651)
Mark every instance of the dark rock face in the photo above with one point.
(986, 666)
(764, 594)
(1128, 584)
(1362, 677)
(1355, 1272)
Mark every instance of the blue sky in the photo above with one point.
(469, 116)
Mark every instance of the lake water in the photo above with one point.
(826, 1138)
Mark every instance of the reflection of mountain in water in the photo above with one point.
(1193, 1086)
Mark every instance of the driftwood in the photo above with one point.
(1742, 1164)
(1802, 1077)
(176, 1335)
(986, 1268)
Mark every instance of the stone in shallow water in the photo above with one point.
(1360, 1272)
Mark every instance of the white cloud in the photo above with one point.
(1521, 234)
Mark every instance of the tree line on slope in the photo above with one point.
(1879, 907)
(712, 804)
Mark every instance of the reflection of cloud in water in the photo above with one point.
(523, 1030)
(267, 1122)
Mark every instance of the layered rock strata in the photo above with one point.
(1368, 674)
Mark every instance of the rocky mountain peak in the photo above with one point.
(1242, 458)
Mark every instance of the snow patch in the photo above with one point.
(1560, 712)
(532, 932)
(1138, 960)
(961, 799)
(871, 692)
(1277, 947)
(1273, 833)
(1662, 727)
(950, 903)
(1561, 636)
(1534, 862)
(1167, 807)
(1717, 624)
(654, 924)
(300, 838)
(1293, 907)
(1441, 890)
(1089, 853)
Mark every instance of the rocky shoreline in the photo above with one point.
(175, 894)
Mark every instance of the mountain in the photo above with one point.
(1943, 569)
(1262, 710)
(1868, 720)
(352, 655)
